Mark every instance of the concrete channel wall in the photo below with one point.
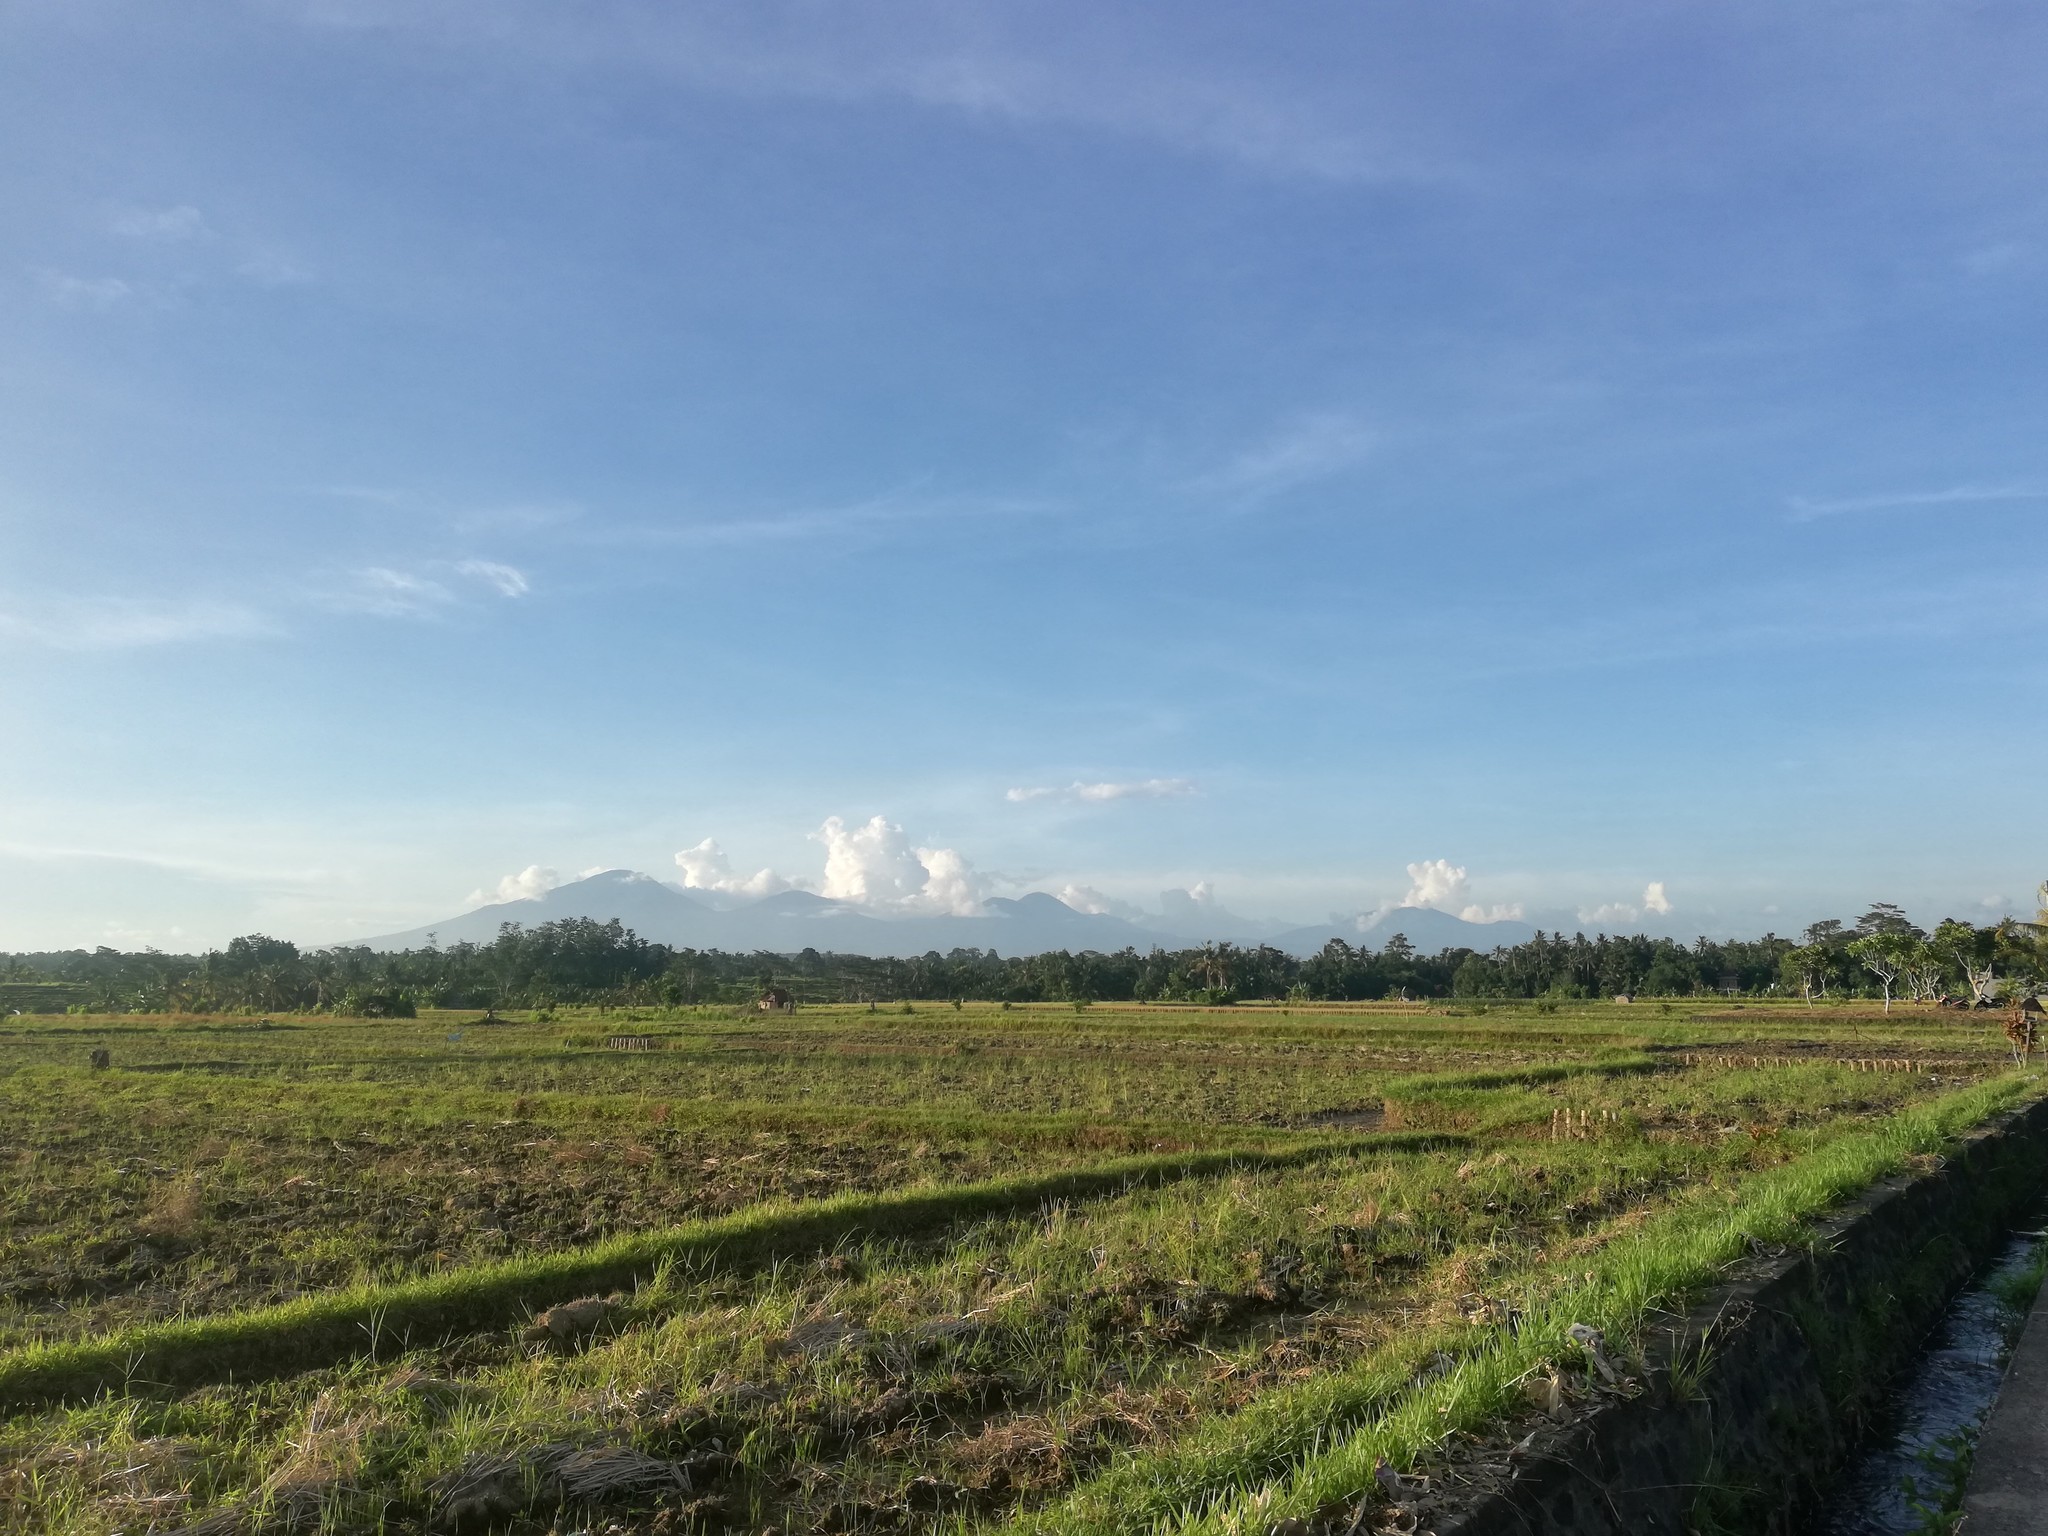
(2008, 1493)
(1781, 1371)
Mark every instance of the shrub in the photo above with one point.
(361, 1004)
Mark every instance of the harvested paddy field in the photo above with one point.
(1122, 1269)
(152, 1196)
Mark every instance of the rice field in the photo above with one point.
(1021, 1269)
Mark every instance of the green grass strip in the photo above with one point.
(1419, 1085)
(337, 1325)
(1298, 1450)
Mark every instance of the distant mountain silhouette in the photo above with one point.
(644, 904)
(798, 920)
(1429, 930)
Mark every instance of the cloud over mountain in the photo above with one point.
(1436, 883)
(875, 864)
(1087, 900)
(529, 884)
(1655, 902)
(706, 868)
(1440, 884)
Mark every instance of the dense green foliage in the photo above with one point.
(582, 960)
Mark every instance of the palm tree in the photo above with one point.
(1213, 966)
(2030, 940)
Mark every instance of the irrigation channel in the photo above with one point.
(1909, 1480)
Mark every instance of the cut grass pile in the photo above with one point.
(1004, 1308)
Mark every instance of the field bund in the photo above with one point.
(1752, 1401)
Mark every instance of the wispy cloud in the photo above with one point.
(116, 624)
(1085, 73)
(167, 253)
(1311, 448)
(162, 225)
(1098, 793)
(1187, 109)
(193, 252)
(1777, 616)
(1999, 257)
(199, 868)
(1805, 509)
(70, 292)
(872, 515)
(508, 580)
(391, 592)
(468, 517)
(272, 269)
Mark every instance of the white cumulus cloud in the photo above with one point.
(872, 863)
(1619, 912)
(1499, 912)
(530, 884)
(1447, 887)
(1655, 902)
(1197, 903)
(1437, 883)
(706, 868)
(1085, 898)
(951, 885)
(875, 864)
(1135, 789)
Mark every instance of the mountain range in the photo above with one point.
(798, 920)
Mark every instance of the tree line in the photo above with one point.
(583, 961)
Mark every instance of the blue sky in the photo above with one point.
(1587, 445)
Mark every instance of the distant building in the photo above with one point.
(776, 1000)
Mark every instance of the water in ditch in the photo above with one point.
(1908, 1482)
